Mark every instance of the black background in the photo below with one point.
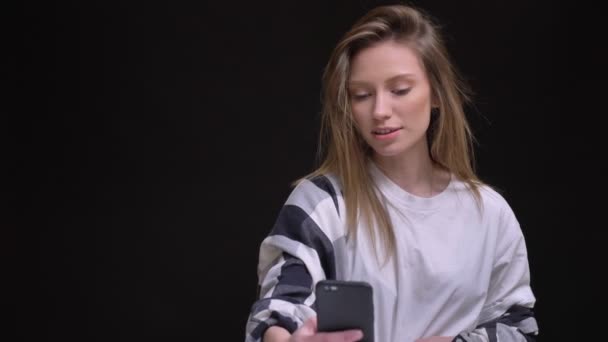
(153, 144)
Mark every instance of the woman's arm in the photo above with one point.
(517, 324)
(292, 258)
(508, 313)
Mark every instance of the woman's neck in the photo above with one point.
(414, 172)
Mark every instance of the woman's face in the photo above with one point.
(391, 99)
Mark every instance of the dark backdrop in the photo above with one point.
(160, 140)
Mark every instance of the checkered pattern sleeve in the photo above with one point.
(296, 254)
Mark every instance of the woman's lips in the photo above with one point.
(386, 133)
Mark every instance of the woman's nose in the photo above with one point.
(382, 109)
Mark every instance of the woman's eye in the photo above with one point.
(360, 96)
(401, 92)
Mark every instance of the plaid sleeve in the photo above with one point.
(292, 258)
(517, 324)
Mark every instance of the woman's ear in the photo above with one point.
(434, 100)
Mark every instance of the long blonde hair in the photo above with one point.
(342, 150)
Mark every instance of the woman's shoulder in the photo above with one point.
(313, 189)
(490, 197)
(327, 182)
(324, 182)
(498, 209)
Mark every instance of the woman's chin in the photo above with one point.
(387, 152)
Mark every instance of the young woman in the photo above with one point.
(396, 203)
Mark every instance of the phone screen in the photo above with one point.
(343, 305)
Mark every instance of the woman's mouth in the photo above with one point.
(385, 131)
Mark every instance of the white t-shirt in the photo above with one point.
(456, 266)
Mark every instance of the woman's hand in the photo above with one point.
(436, 339)
(308, 333)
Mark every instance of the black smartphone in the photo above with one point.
(344, 305)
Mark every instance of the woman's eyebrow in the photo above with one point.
(391, 79)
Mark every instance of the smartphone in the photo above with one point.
(343, 305)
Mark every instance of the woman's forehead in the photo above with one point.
(386, 61)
